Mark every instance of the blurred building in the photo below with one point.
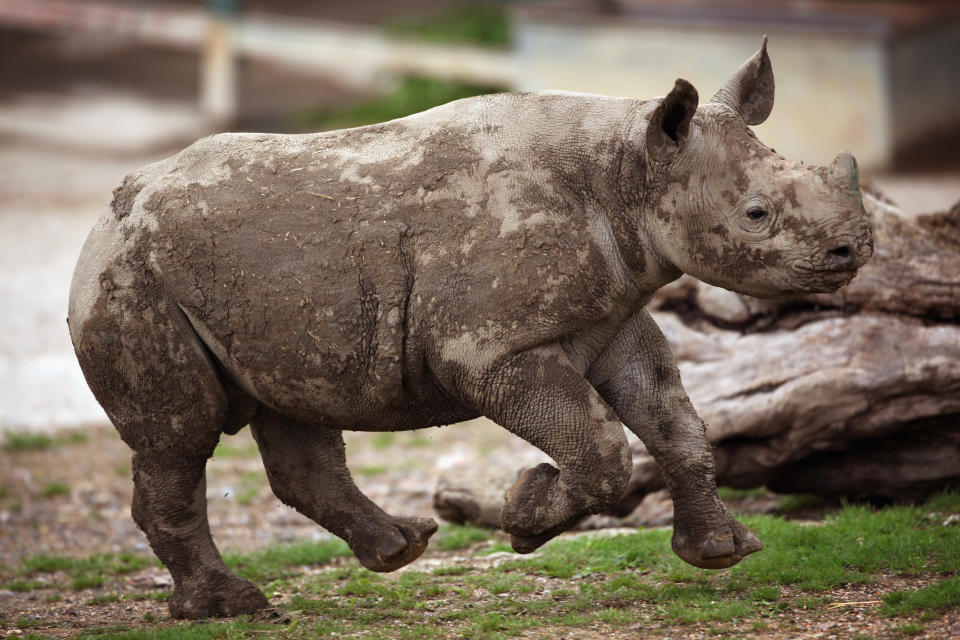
(881, 78)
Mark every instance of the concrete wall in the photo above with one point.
(832, 87)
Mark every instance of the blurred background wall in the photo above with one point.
(90, 90)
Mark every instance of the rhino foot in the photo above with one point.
(529, 544)
(713, 546)
(537, 499)
(222, 596)
(398, 542)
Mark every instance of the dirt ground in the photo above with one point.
(89, 514)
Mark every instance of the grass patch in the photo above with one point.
(382, 440)
(73, 437)
(224, 450)
(456, 536)
(603, 582)
(227, 630)
(275, 562)
(20, 441)
(848, 547)
(55, 489)
(417, 439)
(89, 572)
(107, 598)
(485, 26)
(28, 622)
(943, 595)
(248, 495)
(22, 586)
(372, 470)
(412, 95)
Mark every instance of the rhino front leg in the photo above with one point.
(307, 468)
(638, 377)
(540, 397)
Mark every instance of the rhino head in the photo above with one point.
(732, 212)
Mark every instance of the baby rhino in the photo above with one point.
(491, 256)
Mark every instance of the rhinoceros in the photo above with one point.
(491, 256)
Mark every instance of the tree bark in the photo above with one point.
(854, 393)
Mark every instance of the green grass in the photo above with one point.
(911, 629)
(412, 95)
(107, 598)
(417, 439)
(89, 572)
(22, 441)
(24, 585)
(943, 595)
(455, 536)
(73, 437)
(230, 630)
(849, 547)
(486, 26)
(382, 440)
(599, 582)
(372, 470)
(247, 495)
(28, 622)
(224, 450)
(276, 562)
(55, 489)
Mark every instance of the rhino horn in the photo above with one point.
(749, 91)
(843, 171)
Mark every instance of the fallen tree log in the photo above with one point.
(855, 393)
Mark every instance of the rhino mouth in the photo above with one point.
(828, 281)
(825, 278)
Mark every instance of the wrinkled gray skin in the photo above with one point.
(488, 257)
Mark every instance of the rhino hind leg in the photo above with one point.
(152, 375)
(307, 469)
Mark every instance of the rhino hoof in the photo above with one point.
(719, 548)
(529, 544)
(399, 543)
(230, 597)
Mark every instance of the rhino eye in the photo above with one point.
(756, 213)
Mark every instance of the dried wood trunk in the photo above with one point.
(855, 393)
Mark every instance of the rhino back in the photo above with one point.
(326, 270)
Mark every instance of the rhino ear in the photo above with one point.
(670, 122)
(749, 91)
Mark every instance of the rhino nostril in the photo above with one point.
(839, 257)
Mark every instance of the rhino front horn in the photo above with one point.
(843, 171)
(749, 91)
